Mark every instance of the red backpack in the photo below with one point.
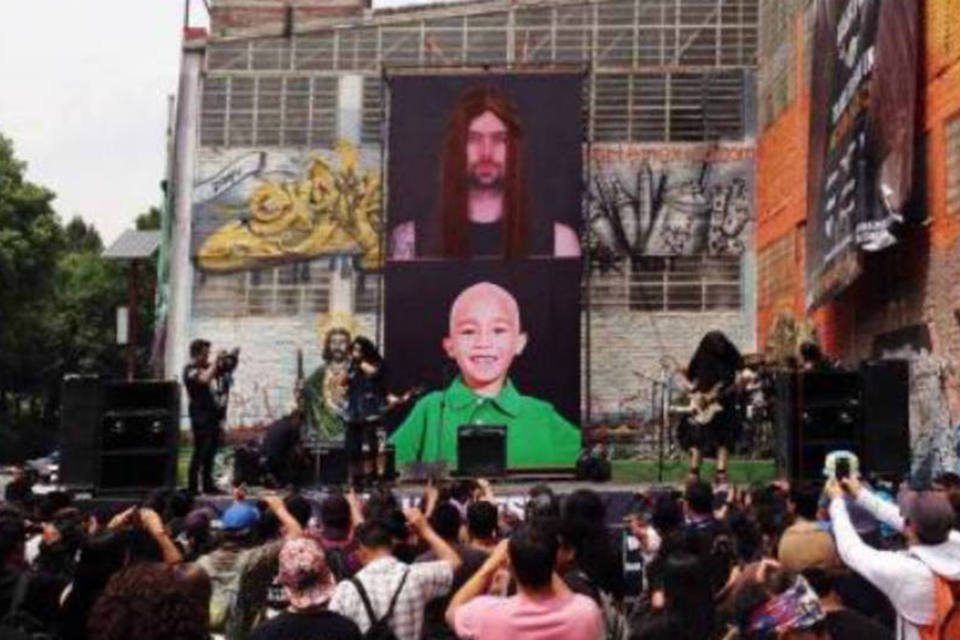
(946, 620)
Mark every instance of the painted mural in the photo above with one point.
(264, 208)
(669, 200)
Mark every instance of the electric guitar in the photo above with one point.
(703, 406)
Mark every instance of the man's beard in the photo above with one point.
(475, 183)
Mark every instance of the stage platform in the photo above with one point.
(618, 497)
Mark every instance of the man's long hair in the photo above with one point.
(327, 339)
(454, 180)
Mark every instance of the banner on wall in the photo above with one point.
(483, 270)
(860, 170)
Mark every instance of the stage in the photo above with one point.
(618, 497)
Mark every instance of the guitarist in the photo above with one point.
(714, 371)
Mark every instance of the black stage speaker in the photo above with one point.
(865, 411)
(79, 424)
(120, 436)
(482, 451)
(816, 413)
(332, 464)
(886, 416)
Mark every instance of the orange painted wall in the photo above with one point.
(782, 205)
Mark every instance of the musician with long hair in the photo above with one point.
(484, 209)
(366, 403)
(713, 374)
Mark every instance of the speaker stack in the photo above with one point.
(119, 436)
(865, 411)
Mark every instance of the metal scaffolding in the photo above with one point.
(661, 70)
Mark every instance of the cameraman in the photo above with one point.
(200, 377)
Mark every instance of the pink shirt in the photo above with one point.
(568, 617)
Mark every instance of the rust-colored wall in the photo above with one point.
(782, 203)
(916, 281)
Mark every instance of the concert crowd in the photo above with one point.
(835, 560)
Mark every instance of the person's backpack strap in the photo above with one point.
(366, 600)
(396, 594)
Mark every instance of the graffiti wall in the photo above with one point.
(671, 247)
(286, 247)
(670, 200)
(259, 207)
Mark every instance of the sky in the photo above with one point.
(83, 96)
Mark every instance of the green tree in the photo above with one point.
(31, 241)
(149, 220)
(81, 236)
(58, 299)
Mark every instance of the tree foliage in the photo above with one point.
(58, 300)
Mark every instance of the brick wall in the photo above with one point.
(627, 343)
(915, 282)
(782, 150)
(234, 17)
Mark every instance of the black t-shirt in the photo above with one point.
(307, 626)
(847, 623)
(282, 436)
(204, 411)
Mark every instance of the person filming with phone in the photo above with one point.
(921, 581)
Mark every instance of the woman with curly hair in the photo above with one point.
(147, 602)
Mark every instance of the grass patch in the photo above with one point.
(675, 471)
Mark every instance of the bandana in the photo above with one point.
(796, 608)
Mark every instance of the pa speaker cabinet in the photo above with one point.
(816, 412)
(139, 434)
(80, 410)
(119, 436)
(886, 411)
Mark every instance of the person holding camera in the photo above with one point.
(207, 389)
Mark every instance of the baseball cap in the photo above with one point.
(930, 513)
(807, 545)
(307, 580)
(239, 516)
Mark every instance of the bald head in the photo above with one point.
(485, 294)
(484, 336)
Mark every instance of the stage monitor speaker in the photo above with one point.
(482, 451)
(886, 412)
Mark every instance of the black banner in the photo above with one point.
(863, 97)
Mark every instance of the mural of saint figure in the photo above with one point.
(325, 391)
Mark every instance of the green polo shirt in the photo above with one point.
(537, 436)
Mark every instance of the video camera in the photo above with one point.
(227, 361)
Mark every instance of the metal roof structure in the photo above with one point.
(133, 245)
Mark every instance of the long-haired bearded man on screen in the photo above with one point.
(484, 204)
